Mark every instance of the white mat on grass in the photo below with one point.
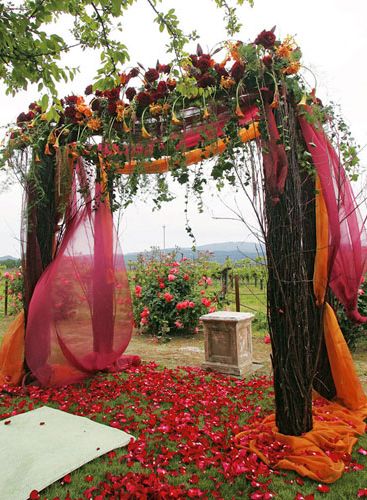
(41, 446)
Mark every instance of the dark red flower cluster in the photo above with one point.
(151, 75)
(33, 110)
(237, 71)
(266, 39)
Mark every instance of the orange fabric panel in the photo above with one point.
(320, 277)
(334, 432)
(348, 386)
(12, 352)
(194, 156)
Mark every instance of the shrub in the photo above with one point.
(14, 279)
(354, 332)
(170, 295)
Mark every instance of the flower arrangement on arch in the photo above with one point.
(170, 295)
(153, 104)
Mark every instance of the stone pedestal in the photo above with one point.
(228, 342)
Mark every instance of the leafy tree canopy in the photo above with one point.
(30, 49)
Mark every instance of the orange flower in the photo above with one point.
(83, 108)
(275, 103)
(166, 107)
(120, 107)
(47, 149)
(175, 120)
(286, 48)
(155, 109)
(125, 127)
(206, 113)
(123, 78)
(292, 68)
(233, 50)
(94, 124)
(284, 51)
(303, 101)
(227, 82)
(238, 111)
(145, 134)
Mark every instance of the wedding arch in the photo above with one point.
(247, 107)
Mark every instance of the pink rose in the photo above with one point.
(171, 277)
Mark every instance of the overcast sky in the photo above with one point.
(333, 38)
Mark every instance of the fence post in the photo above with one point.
(261, 284)
(6, 289)
(237, 292)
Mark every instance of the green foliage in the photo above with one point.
(30, 51)
(170, 295)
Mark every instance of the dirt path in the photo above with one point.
(190, 351)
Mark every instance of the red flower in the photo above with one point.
(237, 71)
(204, 63)
(164, 68)
(267, 60)
(151, 75)
(168, 296)
(206, 80)
(162, 88)
(130, 93)
(221, 70)
(171, 84)
(138, 290)
(112, 107)
(206, 302)
(266, 39)
(112, 93)
(143, 99)
(362, 492)
(96, 104)
(133, 72)
(71, 99)
(194, 59)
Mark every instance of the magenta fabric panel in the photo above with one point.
(80, 316)
(347, 234)
(275, 162)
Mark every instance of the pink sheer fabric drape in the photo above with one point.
(347, 234)
(80, 316)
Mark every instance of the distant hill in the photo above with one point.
(8, 257)
(235, 250)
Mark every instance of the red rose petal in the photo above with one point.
(34, 495)
(323, 488)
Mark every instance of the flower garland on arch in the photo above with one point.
(149, 109)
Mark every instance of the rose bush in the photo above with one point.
(14, 281)
(170, 295)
